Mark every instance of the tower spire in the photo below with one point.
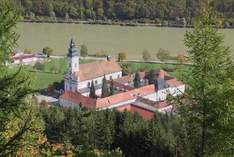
(72, 51)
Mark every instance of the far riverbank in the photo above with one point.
(134, 23)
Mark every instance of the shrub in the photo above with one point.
(163, 55)
(146, 55)
(181, 58)
(28, 51)
(84, 51)
(47, 51)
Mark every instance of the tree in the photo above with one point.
(28, 51)
(146, 55)
(47, 51)
(137, 80)
(125, 69)
(152, 77)
(105, 88)
(20, 122)
(163, 55)
(208, 107)
(112, 90)
(84, 51)
(181, 58)
(92, 93)
(122, 56)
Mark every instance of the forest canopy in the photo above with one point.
(158, 10)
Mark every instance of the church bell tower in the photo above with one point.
(71, 79)
(73, 58)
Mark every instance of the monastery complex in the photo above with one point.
(145, 100)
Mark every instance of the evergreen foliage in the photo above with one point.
(152, 77)
(21, 126)
(92, 93)
(208, 108)
(137, 80)
(105, 88)
(110, 130)
(112, 89)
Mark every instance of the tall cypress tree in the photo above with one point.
(105, 88)
(152, 77)
(137, 80)
(92, 93)
(208, 109)
(112, 92)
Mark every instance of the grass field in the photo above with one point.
(42, 79)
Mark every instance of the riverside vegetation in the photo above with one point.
(149, 11)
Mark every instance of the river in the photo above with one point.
(107, 38)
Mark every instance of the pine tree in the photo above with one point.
(137, 80)
(20, 123)
(105, 88)
(208, 109)
(92, 93)
(112, 90)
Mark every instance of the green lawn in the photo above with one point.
(176, 71)
(54, 71)
(43, 80)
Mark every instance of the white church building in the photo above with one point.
(78, 78)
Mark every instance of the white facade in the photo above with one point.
(161, 95)
(71, 79)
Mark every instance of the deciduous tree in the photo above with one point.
(84, 51)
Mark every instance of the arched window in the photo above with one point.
(96, 82)
(110, 77)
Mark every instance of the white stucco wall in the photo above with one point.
(162, 94)
(84, 84)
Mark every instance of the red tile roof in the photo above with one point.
(24, 56)
(145, 114)
(121, 97)
(96, 69)
(77, 98)
(174, 82)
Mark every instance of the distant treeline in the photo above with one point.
(156, 11)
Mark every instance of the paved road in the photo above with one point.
(129, 60)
